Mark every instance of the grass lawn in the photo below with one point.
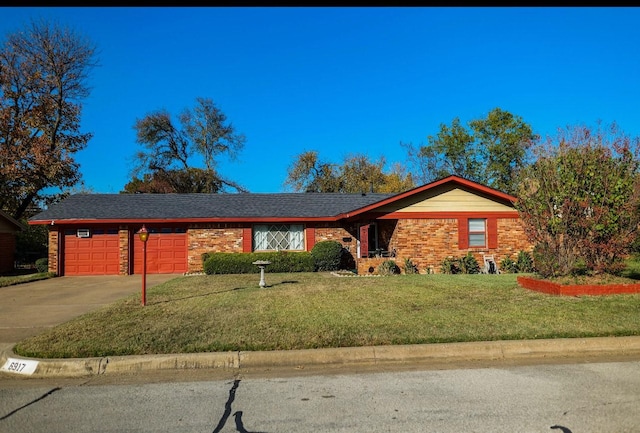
(27, 277)
(314, 310)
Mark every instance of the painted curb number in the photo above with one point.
(20, 366)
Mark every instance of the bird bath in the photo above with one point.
(262, 264)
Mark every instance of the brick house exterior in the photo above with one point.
(96, 233)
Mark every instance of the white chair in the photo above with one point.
(490, 265)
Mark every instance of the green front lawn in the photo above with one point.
(18, 278)
(314, 310)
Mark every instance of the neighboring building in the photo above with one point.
(95, 234)
(8, 229)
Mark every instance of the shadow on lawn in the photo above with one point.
(281, 283)
(197, 296)
(235, 289)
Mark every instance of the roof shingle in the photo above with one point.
(186, 206)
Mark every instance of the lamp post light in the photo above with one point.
(144, 236)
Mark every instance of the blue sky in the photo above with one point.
(344, 80)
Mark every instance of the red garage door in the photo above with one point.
(166, 252)
(96, 254)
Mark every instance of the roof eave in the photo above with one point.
(70, 221)
(11, 220)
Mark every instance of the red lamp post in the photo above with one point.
(144, 235)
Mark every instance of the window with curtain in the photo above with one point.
(276, 237)
(477, 232)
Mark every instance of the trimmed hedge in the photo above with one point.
(327, 255)
(242, 263)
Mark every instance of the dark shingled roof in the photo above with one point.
(185, 206)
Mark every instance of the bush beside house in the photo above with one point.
(327, 255)
(242, 263)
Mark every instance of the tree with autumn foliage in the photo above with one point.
(43, 73)
(165, 163)
(579, 200)
(356, 174)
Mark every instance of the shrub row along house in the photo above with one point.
(95, 234)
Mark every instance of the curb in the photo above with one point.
(370, 355)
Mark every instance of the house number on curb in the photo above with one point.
(20, 366)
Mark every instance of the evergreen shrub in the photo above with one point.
(327, 255)
(242, 263)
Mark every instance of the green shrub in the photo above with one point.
(469, 264)
(524, 262)
(242, 263)
(284, 261)
(42, 265)
(327, 255)
(409, 267)
(509, 266)
(450, 265)
(388, 267)
(460, 265)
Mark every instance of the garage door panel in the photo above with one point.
(83, 269)
(166, 268)
(112, 269)
(96, 255)
(168, 243)
(166, 253)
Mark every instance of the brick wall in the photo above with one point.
(427, 242)
(512, 238)
(228, 238)
(124, 251)
(369, 266)
(53, 250)
(327, 232)
(208, 238)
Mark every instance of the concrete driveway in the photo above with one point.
(31, 308)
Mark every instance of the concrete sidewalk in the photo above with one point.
(29, 309)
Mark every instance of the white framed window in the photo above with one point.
(276, 237)
(477, 232)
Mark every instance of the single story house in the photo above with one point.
(96, 234)
(8, 229)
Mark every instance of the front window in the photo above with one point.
(477, 232)
(270, 237)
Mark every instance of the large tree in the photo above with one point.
(43, 73)
(357, 174)
(310, 174)
(489, 150)
(580, 200)
(165, 165)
